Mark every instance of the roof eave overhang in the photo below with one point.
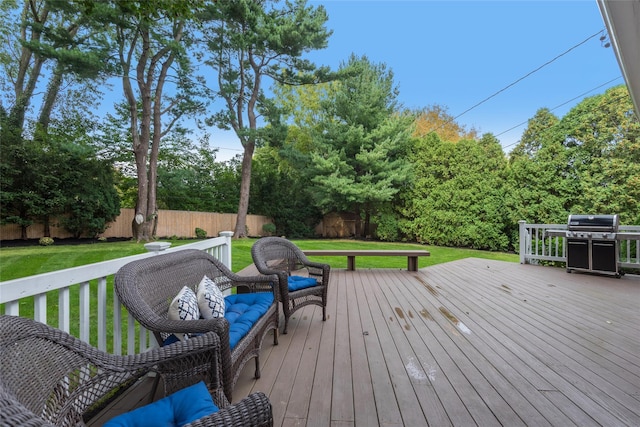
(622, 19)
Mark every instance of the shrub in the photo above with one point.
(200, 233)
(102, 239)
(45, 241)
(388, 229)
(269, 228)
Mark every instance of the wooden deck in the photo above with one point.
(467, 343)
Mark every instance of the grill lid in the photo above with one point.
(593, 222)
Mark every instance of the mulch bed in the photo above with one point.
(34, 242)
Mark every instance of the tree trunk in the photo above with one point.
(29, 68)
(139, 226)
(47, 227)
(367, 224)
(154, 228)
(42, 126)
(358, 224)
(142, 231)
(245, 185)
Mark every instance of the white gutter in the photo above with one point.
(622, 19)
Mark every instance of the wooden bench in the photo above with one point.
(351, 254)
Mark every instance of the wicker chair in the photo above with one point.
(146, 288)
(49, 378)
(276, 255)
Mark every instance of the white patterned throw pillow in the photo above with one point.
(210, 299)
(184, 307)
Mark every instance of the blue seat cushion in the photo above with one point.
(242, 311)
(177, 409)
(172, 339)
(298, 282)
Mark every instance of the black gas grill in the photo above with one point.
(591, 242)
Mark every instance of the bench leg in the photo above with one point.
(351, 263)
(412, 263)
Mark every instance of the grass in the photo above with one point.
(16, 262)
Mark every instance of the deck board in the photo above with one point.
(342, 395)
(386, 407)
(471, 342)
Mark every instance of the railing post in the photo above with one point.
(157, 247)
(225, 254)
(523, 241)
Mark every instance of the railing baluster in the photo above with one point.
(102, 313)
(12, 308)
(40, 308)
(117, 325)
(63, 309)
(131, 334)
(85, 312)
(142, 338)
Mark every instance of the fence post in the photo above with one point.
(225, 255)
(523, 241)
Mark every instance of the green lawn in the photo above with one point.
(18, 262)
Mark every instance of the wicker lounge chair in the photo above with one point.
(276, 255)
(49, 378)
(146, 288)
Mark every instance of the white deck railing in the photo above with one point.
(535, 246)
(100, 319)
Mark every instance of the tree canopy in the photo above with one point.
(359, 158)
(318, 142)
(248, 41)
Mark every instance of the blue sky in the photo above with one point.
(457, 53)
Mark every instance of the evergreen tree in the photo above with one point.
(458, 194)
(280, 172)
(359, 159)
(542, 183)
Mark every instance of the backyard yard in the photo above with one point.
(22, 261)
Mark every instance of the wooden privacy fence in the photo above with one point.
(170, 223)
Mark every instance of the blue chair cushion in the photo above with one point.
(298, 282)
(172, 339)
(177, 409)
(242, 311)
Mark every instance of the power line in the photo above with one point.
(226, 148)
(555, 108)
(518, 80)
